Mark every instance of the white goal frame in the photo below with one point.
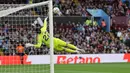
(50, 6)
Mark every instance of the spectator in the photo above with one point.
(1, 51)
(5, 47)
(127, 3)
(103, 24)
(89, 37)
(20, 51)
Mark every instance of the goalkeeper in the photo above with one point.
(43, 37)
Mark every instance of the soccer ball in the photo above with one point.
(56, 10)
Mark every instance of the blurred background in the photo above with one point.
(97, 26)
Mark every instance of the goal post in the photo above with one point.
(50, 6)
(10, 16)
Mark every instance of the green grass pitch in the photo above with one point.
(71, 68)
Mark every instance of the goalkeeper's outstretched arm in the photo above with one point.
(39, 38)
(44, 27)
(39, 42)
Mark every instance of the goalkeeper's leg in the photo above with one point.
(60, 48)
(69, 46)
(72, 51)
(63, 44)
(75, 48)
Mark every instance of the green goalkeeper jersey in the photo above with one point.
(59, 45)
(43, 37)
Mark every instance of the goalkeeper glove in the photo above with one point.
(29, 45)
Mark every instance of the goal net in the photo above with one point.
(16, 29)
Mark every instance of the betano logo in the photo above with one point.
(77, 59)
(13, 60)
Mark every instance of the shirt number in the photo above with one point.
(46, 37)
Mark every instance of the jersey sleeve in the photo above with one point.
(44, 28)
(39, 41)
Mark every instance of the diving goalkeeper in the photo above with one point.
(43, 37)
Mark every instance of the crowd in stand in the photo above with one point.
(75, 7)
(20, 1)
(94, 40)
(90, 38)
(78, 7)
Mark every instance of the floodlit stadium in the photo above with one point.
(64, 36)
